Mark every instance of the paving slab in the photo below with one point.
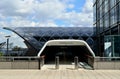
(65, 72)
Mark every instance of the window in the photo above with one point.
(117, 1)
(112, 16)
(119, 11)
(112, 46)
(101, 12)
(94, 1)
(100, 1)
(94, 14)
(112, 3)
(106, 6)
(98, 14)
(106, 20)
(98, 4)
(98, 27)
(115, 14)
(101, 25)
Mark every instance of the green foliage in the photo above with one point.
(1, 54)
(16, 48)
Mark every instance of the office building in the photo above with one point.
(107, 22)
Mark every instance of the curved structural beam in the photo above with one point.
(66, 43)
(19, 35)
(13, 31)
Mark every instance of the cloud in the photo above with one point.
(87, 8)
(24, 13)
(27, 12)
(19, 8)
(44, 12)
(71, 6)
(15, 39)
(82, 19)
(49, 10)
(2, 38)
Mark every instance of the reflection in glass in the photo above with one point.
(112, 46)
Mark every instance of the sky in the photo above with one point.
(43, 13)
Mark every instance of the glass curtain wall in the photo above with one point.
(107, 22)
(112, 46)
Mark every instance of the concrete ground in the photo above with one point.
(65, 72)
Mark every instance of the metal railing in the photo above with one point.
(25, 62)
(107, 63)
(103, 59)
(26, 58)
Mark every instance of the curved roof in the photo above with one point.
(37, 36)
(66, 43)
(2, 44)
(58, 31)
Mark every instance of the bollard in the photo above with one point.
(42, 61)
(57, 62)
(39, 64)
(76, 62)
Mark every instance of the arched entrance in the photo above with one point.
(66, 50)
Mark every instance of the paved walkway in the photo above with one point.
(61, 67)
(65, 72)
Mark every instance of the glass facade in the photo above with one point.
(36, 37)
(112, 45)
(107, 20)
(107, 11)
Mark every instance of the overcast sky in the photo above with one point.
(54, 13)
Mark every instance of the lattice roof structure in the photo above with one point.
(37, 36)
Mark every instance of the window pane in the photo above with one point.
(101, 25)
(119, 10)
(101, 12)
(106, 6)
(94, 14)
(100, 1)
(112, 3)
(106, 20)
(112, 17)
(115, 14)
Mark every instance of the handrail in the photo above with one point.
(89, 56)
(107, 57)
(39, 60)
(19, 57)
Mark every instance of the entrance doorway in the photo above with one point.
(67, 50)
(65, 55)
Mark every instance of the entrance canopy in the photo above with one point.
(67, 43)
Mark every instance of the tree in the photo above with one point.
(16, 48)
(1, 54)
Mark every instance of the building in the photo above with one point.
(107, 23)
(2, 44)
(36, 37)
(103, 38)
(65, 42)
